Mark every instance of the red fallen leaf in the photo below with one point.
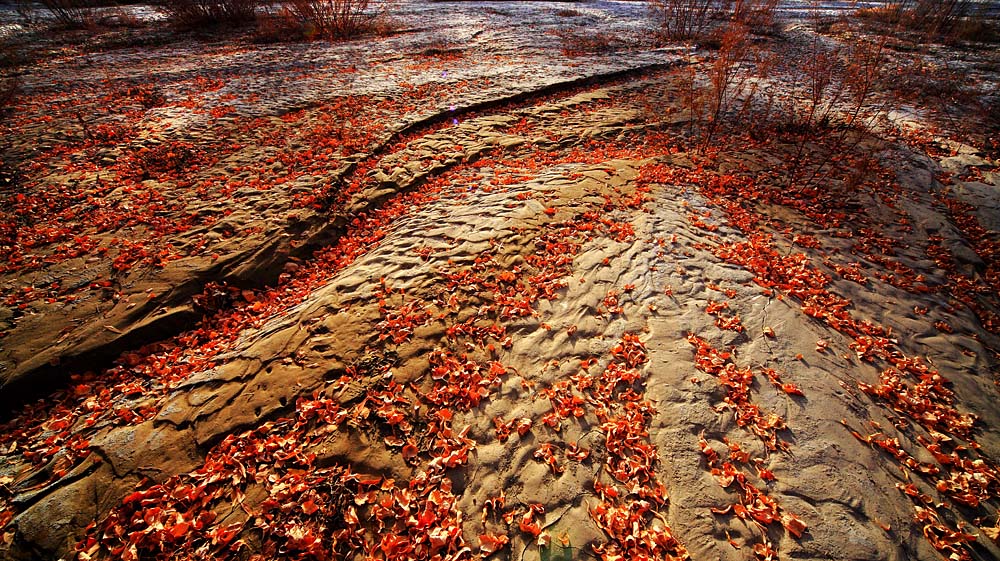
(764, 552)
(409, 451)
(721, 511)
(225, 534)
(179, 530)
(765, 474)
(550, 211)
(528, 524)
(489, 543)
(791, 389)
(523, 426)
(575, 453)
(943, 327)
(769, 333)
(309, 507)
(741, 511)
(793, 524)
(716, 307)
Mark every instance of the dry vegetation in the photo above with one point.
(697, 19)
(949, 21)
(196, 13)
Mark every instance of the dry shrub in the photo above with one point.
(575, 43)
(732, 92)
(947, 20)
(694, 19)
(887, 14)
(277, 27)
(685, 19)
(336, 19)
(757, 15)
(726, 79)
(991, 142)
(199, 13)
(939, 17)
(8, 87)
(737, 91)
(71, 13)
(26, 12)
(975, 29)
(9, 57)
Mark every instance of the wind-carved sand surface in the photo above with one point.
(454, 293)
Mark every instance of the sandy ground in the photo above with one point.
(474, 289)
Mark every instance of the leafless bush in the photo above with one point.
(71, 13)
(276, 27)
(695, 19)
(196, 13)
(864, 71)
(685, 19)
(335, 19)
(26, 11)
(8, 84)
(8, 87)
(732, 93)
(940, 16)
(757, 15)
(933, 19)
(576, 43)
(727, 77)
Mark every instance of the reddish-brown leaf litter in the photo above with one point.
(467, 291)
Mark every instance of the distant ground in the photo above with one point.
(497, 283)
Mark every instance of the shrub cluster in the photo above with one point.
(289, 19)
(695, 19)
(71, 13)
(947, 20)
(198, 13)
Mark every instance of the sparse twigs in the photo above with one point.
(932, 20)
(733, 90)
(939, 17)
(335, 19)
(8, 86)
(71, 13)
(756, 15)
(685, 19)
(841, 81)
(195, 13)
(26, 12)
(728, 78)
(865, 64)
(585, 43)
